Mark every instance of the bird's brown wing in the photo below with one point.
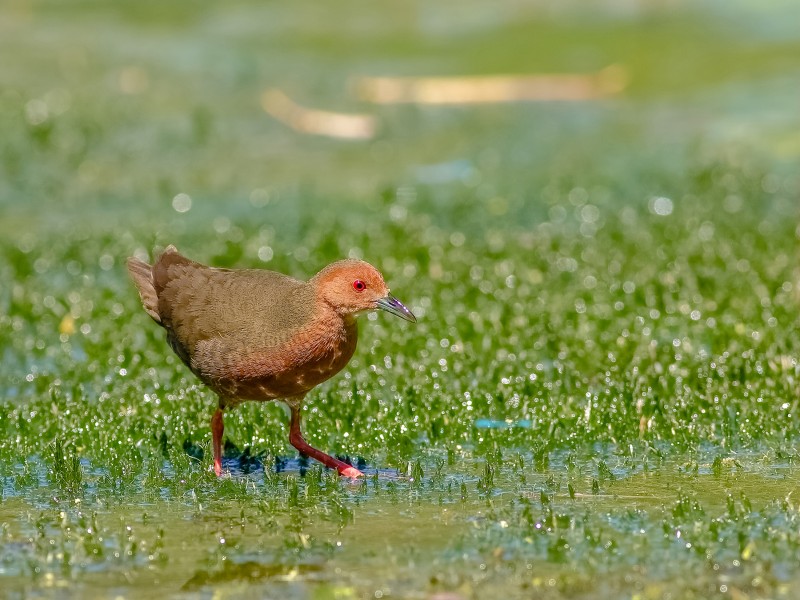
(231, 312)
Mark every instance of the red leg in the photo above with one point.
(217, 427)
(296, 439)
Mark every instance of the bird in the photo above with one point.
(255, 334)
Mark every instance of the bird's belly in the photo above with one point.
(295, 382)
(269, 376)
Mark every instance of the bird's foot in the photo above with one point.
(351, 472)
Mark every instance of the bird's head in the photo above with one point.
(354, 286)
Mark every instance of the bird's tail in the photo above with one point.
(142, 275)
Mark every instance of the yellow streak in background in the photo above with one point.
(492, 89)
(317, 122)
(67, 325)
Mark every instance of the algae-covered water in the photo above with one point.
(600, 398)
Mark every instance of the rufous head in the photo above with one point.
(354, 286)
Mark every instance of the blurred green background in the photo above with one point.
(601, 394)
(112, 109)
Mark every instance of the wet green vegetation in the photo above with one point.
(600, 398)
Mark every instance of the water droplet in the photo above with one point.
(182, 203)
(36, 112)
(265, 253)
(661, 206)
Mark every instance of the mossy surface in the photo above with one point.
(600, 398)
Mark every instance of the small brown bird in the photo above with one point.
(253, 334)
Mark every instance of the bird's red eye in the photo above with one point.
(359, 285)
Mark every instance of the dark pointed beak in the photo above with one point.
(392, 305)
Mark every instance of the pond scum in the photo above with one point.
(600, 398)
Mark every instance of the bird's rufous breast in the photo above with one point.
(315, 353)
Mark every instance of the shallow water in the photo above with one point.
(560, 531)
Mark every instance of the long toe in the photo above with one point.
(351, 472)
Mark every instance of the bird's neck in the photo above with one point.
(332, 325)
